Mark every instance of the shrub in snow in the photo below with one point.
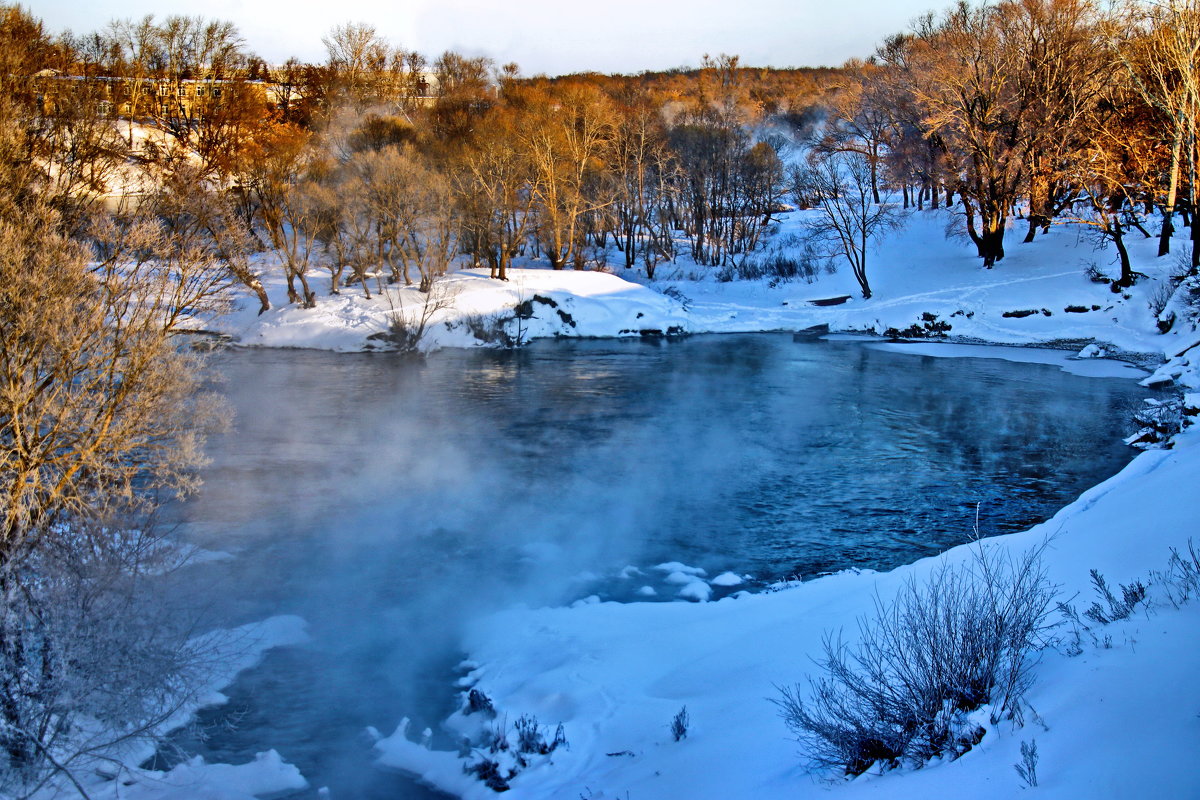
(679, 724)
(479, 703)
(1074, 646)
(407, 326)
(678, 296)
(531, 740)
(493, 329)
(937, 652)
(930, 327)
(495, 739)
(1027, 768)
(1117, 609)
(497, 760)
(1159, 297)
(790, 258)
(488, 771)
(1181, 581)
(1093, 273)
(1158, 421)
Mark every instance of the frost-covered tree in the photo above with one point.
(100, 420)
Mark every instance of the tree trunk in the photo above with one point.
(875, 173)
(975, 237)
(992, 243)
(1168, 228)
(860, 270)
(1118, 236)
(1133, 222)
(1036, 191)
(1195, 243)
(310, 297)
(264, 304)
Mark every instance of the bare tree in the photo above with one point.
(195, 54)
(646, 177)
(364, 68)
(278, 175)
(566, 144)
(136, 57)
(966, 77)
(852, 221)
(193, 212)
(492, 185)
(859, 120)
(1161, 57)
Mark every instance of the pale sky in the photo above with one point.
(551, 36)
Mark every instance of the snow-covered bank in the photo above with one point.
(566, 303)
(1039, 293)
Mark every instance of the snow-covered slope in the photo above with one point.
(1038, 293)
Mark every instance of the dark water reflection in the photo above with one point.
(385, 501)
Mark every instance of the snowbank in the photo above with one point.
(551, 303)
(194, 779)
(1039, 293)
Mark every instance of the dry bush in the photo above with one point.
(938, 651)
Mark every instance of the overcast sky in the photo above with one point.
(552, 36)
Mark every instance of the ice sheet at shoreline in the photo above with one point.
(1085, 367)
